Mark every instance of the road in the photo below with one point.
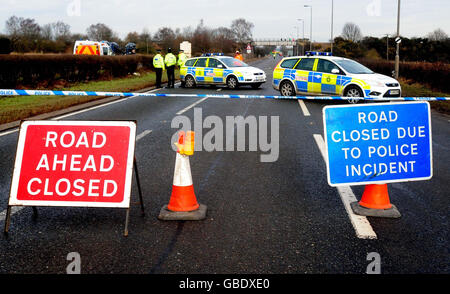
(276, 217)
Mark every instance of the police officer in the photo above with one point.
(181, 58)
(158, 64)
(170, 60)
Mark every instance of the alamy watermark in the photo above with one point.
(374, 267)
(74, 267)
(74, 8)
(222, 134)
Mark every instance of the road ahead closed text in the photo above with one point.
(85, 165)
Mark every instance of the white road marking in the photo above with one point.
(143, 134)
(360, 223)
(304, 108)
(16, 209)
(190, 106)
(80, 111)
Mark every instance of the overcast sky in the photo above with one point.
(272, 19)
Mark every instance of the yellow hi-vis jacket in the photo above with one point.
(170, 59)
(158, 62)
(181, 59)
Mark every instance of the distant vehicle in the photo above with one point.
(130, 48)
(217, 69)
(87, 47)
(324, 74)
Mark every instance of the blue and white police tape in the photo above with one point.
(12, 92)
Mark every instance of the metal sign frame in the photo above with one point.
(130, 167)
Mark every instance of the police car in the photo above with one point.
(217, 69)
(323, 74)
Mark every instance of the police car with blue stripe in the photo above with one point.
(217, 69)
(323, 74)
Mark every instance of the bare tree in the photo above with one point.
(165, 37)
(242, 30)
(437, 35)
(201, 39)
(61, 31)
(352, 32)
(100, 32)
(47, 32)
(13, 26)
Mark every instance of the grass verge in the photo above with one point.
(21, 107)
(414, 89)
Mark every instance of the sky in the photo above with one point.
(271, 19)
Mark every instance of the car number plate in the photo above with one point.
(395, 92)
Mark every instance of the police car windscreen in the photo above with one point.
(353, 67)
(233, 62)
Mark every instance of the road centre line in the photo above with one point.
(304, 108)
(16, 209)
(361, 224)
(190, 106)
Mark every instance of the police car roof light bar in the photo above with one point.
(315, 53)
(212, 54)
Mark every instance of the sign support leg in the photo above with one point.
(127, 217)
(7, 219)
(35, 212)
(141, 201)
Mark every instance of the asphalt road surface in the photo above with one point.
(276, 217)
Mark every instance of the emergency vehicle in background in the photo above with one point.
(87, 47)
(218, 69)
(320, 73)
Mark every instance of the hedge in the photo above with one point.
(435, 75)
(47, 69)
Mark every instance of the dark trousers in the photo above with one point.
(158, 72)
(171, 76)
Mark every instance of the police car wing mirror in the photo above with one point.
(335, 71)
(219, 66)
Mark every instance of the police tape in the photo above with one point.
(13, 92)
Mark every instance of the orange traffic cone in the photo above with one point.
(375, 202)
(183, 203)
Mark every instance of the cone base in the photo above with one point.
(387, 213)
(198, 214)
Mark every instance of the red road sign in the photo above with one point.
(74, 163)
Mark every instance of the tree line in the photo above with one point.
(26, 35)
(434, 47)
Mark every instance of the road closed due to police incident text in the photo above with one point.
(378, 143)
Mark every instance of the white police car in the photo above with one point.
(324, 74)
(215, 68)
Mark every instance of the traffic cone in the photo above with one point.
(183, 204)
(375, 202)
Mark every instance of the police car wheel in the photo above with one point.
(190, 82)
(354, 93)
(232, 83)
(287, 89)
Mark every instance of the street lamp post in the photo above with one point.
(387, 47)
(296, 40)
(303, 37)
(397, 54)
(310, 28)
(332, 17)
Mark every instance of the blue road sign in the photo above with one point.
(378, 143)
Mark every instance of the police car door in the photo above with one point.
(330, 76)
(216, 67)
(200, 66)
(305, 76)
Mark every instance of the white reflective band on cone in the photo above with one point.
(182, 176)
